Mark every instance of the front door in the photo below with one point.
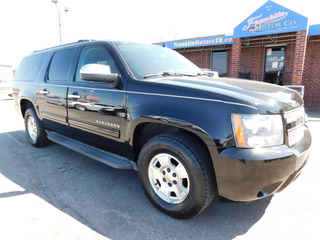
(96, 110)
(274, 65)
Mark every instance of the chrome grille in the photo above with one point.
(295, 120)
(295, 115)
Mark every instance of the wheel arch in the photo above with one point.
(149, 127)
(26, 103)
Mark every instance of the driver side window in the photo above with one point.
(97, 55)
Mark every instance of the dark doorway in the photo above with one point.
(219, 62)
(274, 65)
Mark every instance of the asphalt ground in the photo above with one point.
(55, 193)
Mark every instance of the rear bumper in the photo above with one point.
(251, 174)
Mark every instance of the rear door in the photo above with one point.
(96, 110)
(52, 95)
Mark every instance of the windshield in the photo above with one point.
(151, 60)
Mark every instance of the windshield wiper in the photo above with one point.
(158, 74)
(165, 74)
(204, 74)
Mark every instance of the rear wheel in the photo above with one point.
(36, 134)
(176, 175)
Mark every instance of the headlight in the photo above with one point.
(254, 130)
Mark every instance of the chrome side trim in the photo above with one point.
(98, 130)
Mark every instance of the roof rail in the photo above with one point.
(63, 45)
(85, 40)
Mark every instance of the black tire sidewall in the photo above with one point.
(41, 139)
(194, 202)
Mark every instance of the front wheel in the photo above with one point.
(36, 134)
(176, 175)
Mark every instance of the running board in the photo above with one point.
(111, 159)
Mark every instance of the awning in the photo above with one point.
(314, 30)
(271, 18)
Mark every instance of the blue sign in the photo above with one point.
(314, 30)
(200, 42)
(271, 18)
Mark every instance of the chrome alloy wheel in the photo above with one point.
(32, 128)
(168, 178)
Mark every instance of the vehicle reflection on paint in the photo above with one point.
(91, 104)
(98, 107)
(83, 106)
(53, 99)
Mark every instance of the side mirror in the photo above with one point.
(98, 73)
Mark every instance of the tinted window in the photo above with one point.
(146, 59)
(219, 63)
(30, 67)
(95, 54)
(60, 65)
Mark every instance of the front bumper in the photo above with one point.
(251, 174)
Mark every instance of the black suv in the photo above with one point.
(145, 107)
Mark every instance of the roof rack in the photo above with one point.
(63, 45)
(85, 40)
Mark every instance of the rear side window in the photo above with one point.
(60, 65)
(30, 67)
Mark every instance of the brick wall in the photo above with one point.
(311, 74)
(299, 58)
(235, 58)
(201, 58)
(229, 52)
(252, 60)
(289, 61)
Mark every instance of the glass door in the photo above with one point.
(219, 62)
(274, 65)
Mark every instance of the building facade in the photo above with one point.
(274, 45)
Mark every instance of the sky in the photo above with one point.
(28, 25)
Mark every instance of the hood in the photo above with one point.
(267, 98)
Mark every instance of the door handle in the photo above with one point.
(44, 91)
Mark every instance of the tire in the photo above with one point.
(36, 134)
(80, 107)
(176, 175)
